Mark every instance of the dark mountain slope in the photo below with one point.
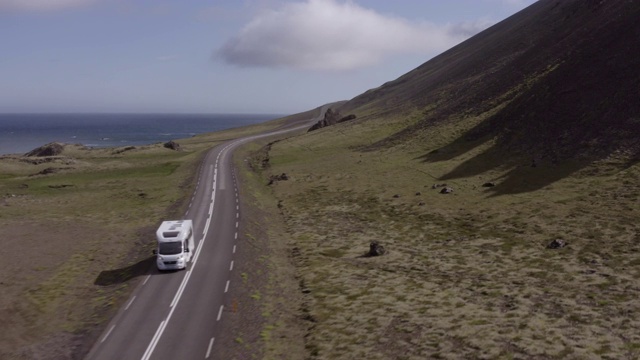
(558, 80)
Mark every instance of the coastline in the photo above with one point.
(21, 133)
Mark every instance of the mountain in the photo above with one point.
(533, 249)
(559, 80)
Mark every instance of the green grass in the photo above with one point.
(96, 214)
(467, 272)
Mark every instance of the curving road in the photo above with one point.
(175, 315)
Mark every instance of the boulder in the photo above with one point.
(375, 249)
(557, 244)
(172, 145)
(446, 190)
(489, 184)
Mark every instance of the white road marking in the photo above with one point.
(146, 279)
(209, 349)
(231, 266)
(129, 304)
(220, 313)
(184, 282)
(226, 288)
(155, 339)
(234, 249)
(108, 333)
(195, 256)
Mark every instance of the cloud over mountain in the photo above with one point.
(335, 35)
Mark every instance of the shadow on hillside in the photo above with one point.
(526, 169)
(118, 276)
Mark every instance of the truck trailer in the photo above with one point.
(175, 244)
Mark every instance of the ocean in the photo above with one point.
(21, 133)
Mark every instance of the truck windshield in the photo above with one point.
(170, 248)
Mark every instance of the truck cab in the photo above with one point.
(175, 244)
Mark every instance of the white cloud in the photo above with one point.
(41, 5)
(335, 35)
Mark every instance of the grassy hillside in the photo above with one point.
(544, 107)
(467, 274)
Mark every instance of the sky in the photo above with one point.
(220, 56)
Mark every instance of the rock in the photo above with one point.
(489, 184)
(396, 196)
(375, 249)
(275, 178)
(61, 186)
(557, 244)
(51, 149)
(446, 190)
(172, 145)
(47, 171)
(418, 193)
(422, 203)
(331, 118)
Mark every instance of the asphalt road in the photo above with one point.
(175, 315)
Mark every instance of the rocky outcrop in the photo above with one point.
(331, 118)
(172, 145)
(275, 178)
(51, 149)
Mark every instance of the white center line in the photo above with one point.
(209, 349)
(220, 312)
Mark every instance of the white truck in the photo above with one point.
(175, 244)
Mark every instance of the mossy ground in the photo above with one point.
(467, 274)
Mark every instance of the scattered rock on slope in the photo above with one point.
(375, 249)
(557, 244)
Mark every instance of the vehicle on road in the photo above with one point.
(175, 244)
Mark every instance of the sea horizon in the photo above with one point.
(22, 132)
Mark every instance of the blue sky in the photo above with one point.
(220, 56)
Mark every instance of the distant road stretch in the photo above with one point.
(175, 315)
